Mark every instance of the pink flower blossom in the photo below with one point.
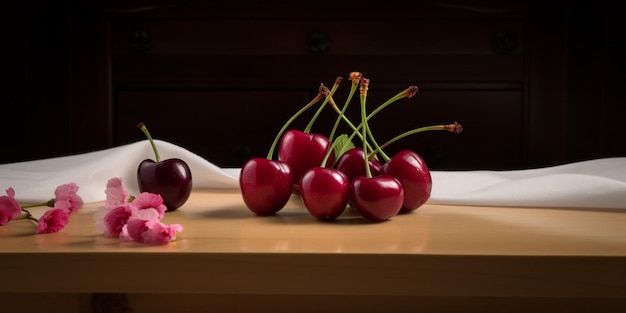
(160, 234)
(145, 226)
(9, 207)
(146, 200)
(53, 221)
(140, 222)
(116, 218)
(137, 219)
(116, 193)
(66, 198)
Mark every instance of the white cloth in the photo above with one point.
(35, 181)
(599, 183)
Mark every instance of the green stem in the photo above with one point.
(27, 215)
(49, 203)
(407, 93)
(144, 129)
(323, 92)
(365, 128)
(343, 110)
(319, 110)
(454, 128)
(328, 153)
(376, 146)
(355, 132)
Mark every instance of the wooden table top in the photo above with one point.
(436, 250)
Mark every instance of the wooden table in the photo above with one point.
(439, 258)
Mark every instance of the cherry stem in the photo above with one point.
(365, 128)
(376, 146)
(406, 93)
(355, 77)
(341, 114)
(144, 129)
(328, 152)
(454, 128)
(319, 110)
(323, 93)
(350, 124)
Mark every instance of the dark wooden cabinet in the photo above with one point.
(221, 77)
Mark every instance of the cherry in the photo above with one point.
(170, 178)
(351, 164)
(324, 192)
(302, 151)
(265, 185)
(412, 172)
(376, 198)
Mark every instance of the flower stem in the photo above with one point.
(27, 215)
(323, 93)
(144, 129)
(49, 203)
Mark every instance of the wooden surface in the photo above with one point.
(437, 252)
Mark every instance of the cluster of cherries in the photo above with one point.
(331, 173)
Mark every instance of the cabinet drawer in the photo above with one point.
(301, 37)
(280, 52)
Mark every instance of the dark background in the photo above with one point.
(534, 84)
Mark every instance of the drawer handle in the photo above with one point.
(140, 40)
(318, 41)
(504, 42)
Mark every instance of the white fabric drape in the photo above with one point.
(599, 183)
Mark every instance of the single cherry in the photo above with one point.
(302, 151)
(351, 163)
(376, 198)
(412, 172)
(324, 192)
(169, 178)
(265, 185)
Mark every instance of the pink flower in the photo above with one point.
(160, 234)
(116, 193)
(53, 221)
(116, 219)
(145, 226)
(140, 222)
(66, 198)
(134, 219)
(9, 207)
(146, 200)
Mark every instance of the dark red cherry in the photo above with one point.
(411, 170)
(170, 178)
(377, 198)
(265, 185)
(324, 192)
(302, 151)
(352, 163)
